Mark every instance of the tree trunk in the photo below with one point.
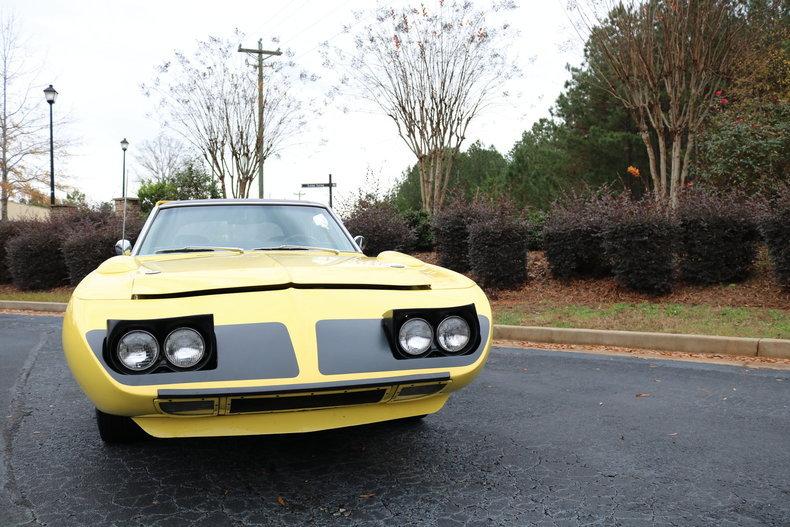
(651, 157)
(674, 181)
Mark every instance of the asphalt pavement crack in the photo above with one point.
(16, 415)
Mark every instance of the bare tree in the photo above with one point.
(209, 98)
(24, 138)
(664, 60)
(161, 157)
(432, 70)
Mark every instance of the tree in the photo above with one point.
(160, 157)
(191, 181)
(475, 170)
(746, 141)
(664, 60)
(24, 125)
(76, 198)
(209, 99)
(432, 71)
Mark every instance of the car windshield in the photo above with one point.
(235, 227)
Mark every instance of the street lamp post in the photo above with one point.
(124, 146)
(51, 95)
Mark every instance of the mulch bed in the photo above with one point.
(759, 290)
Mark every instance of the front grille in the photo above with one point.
(244, 405)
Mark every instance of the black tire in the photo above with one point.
(118, 429)
(414, 419)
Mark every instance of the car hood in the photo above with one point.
(193, 273)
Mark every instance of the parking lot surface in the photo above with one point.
(540, 438)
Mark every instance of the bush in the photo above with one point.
(637, 240)
(716, 235)
(775, 227)
(85, 250)
(381, 225)
(8, 229)
(451, 232)
(536, 222)
(571, 238)
(420, 224)
(34, 257)
(498, 250)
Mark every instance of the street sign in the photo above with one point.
(328, 185)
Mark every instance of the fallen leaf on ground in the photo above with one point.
(281, 501)
(367, 495)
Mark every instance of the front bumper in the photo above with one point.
(327, 386)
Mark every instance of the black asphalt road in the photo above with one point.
(541, 438)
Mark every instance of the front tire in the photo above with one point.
(115, 429)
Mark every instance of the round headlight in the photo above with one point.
(415, 336)
(184, 347)
(138, 350)
(453, 334)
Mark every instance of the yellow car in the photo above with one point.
(237, 317)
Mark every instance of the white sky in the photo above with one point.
(97, 53)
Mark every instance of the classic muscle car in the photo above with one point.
(235, 317)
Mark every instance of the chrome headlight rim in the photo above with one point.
(442, 342)
(153, 363)
(428, 349)
(198, 363)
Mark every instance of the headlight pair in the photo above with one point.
(422, 332)
(151, 346)
(416, 335)
(138, 350)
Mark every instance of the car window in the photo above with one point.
(244, 226)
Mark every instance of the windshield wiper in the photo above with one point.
(199, 249)
(295, 248)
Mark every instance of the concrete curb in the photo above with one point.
(52, 307)
(748, 347)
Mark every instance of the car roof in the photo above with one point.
(193, 202)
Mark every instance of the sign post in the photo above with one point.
(322, 185)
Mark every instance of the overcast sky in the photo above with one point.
(97, 53)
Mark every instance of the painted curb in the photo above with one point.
(52, 307)
(749, 347)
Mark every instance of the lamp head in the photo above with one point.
(51, 94)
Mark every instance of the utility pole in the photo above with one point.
(260, 52)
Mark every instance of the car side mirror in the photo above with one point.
(123, 247)
(360, 241)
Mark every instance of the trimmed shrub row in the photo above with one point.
(59, 251)
(381, 225)
(711, 238)
(571, 238)
(775, 227)
(636, 239)
(487, 238)
(717, 237)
